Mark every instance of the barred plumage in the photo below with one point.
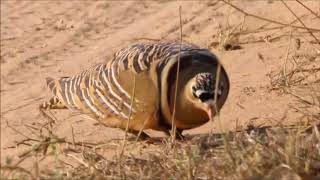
(104, 92)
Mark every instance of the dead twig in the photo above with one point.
(129, 117)
(145, 38)
(174, 128)
(314, 13)
(286, 59)
(120, 158)
(18, 132)
(266, 19)
(17, 168)
(22, 142)
(22, 106)
(264, 28)
(308, 29)
(78, 159)
(299, 97)
(73, 139)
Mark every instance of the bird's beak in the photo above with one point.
(210, 113)
(209, 108)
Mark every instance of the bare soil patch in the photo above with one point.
(270, 49)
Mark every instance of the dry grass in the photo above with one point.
(282, 152)
(257, 153)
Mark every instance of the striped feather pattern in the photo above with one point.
(104, 92)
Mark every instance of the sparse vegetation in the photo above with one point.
(257, 153)
(253, 152)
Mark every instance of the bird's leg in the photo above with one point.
(178, 133)
(140, 135)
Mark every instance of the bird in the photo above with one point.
(147, 86)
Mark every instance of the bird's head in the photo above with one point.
(202, 92)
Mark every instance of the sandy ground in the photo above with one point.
(57, 38)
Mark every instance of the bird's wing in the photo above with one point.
(107, 89)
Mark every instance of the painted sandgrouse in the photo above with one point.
(105, 91)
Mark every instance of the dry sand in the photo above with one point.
(58, 38)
